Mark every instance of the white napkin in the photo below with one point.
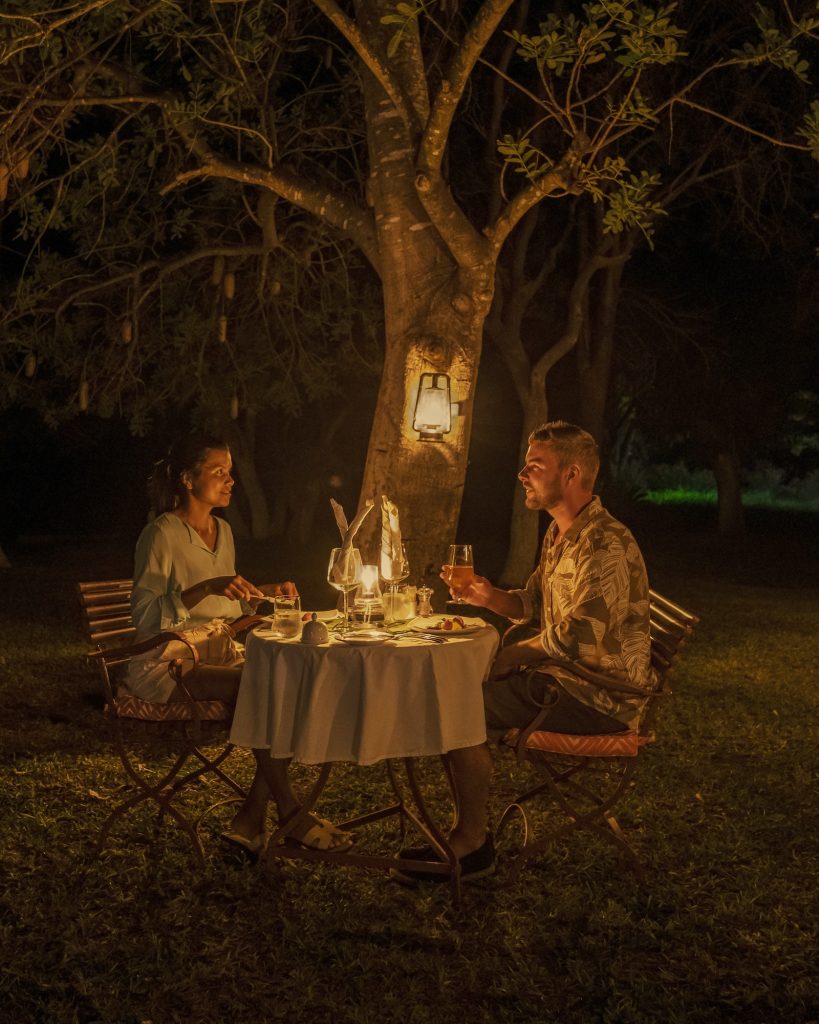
(392, 559)
(347, 534)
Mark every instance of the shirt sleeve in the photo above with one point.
(156, 599)
(530, 598)
(581, 633)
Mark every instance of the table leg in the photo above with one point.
(417, 815)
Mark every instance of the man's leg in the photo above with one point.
(471, 769)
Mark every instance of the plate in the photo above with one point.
(368, 639)
(327, 616)
(439, 630)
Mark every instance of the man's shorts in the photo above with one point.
(512, 703)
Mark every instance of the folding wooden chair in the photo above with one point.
(106, 610)
(587, 776)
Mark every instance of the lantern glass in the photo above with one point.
(433, 411)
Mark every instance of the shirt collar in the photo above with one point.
(580, 522)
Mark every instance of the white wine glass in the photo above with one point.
(344, 574)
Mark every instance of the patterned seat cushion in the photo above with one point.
(174, 711)
(616, 744)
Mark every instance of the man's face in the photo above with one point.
(541, 476)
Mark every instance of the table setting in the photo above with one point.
(378, 681)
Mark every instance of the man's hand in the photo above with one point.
(527, 652)
(478, 591)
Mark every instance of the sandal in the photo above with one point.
(251, 849)
(477, 864)
(321, 835)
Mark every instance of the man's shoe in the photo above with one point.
(478, 864)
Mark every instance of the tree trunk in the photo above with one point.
(434, 310)
(594, 358)
(730, 514)
(523, 529)
(243, 447)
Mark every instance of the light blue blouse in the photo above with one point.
(171, 557)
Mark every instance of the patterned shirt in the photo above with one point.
(591, 593)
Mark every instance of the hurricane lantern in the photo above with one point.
(433, 409)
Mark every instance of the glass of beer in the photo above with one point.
(458, 568)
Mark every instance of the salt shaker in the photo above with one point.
(425, 602)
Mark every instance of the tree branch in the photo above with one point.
(742, 127)
(574, 320)
(557, 181)
(352, 33)
(433, 143)
(332, 208)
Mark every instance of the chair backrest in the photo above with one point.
(671, 627)
(106, 613)
(106, 610)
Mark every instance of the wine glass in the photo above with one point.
(344, 574)
(399, 570)
(459, 567)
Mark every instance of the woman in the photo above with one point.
(184, 577)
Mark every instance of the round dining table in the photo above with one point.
(362, 703)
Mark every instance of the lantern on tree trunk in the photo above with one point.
(229, 284)
(126, 330)
(433, 408)
(234, 407)
(222, 328)
(83, 396)
(30, 365)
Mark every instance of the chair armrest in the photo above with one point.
(141, 647)
(605, 682)
(244, 623)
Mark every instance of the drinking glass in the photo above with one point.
(399, 603)
(287, 616)
(399, 571)
(459, 568)
(344, 574)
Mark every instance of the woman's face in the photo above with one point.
(212, 483)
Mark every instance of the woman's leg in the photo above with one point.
(211, 682)
(221, 682)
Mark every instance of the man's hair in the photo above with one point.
(571, 444)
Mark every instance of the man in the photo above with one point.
(589, 595)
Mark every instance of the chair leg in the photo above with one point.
(165, 790)
(561, 786)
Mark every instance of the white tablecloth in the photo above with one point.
(363, 704)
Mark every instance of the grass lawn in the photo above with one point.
(724, 816)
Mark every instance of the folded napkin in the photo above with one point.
(392, 553)
(339, 570)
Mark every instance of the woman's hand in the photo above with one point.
(235, 588)
(286, 589)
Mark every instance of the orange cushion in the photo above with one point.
(615, 744)
(174, 711)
